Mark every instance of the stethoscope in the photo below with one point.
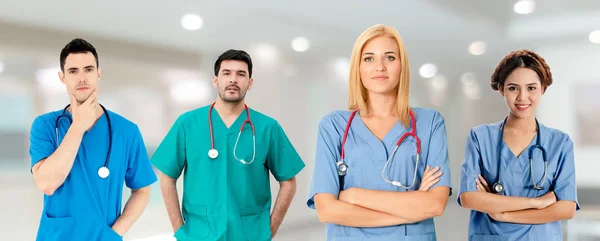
(342, 167)
(213, 153)
(498, 187)
(103, 171)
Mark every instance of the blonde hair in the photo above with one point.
(357, 96)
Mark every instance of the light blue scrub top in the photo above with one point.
(481, 157)
(85, 206)
(366, 155)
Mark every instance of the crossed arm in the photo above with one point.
(357, 207)
(543, 209)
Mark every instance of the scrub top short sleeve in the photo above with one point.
(283, 160)
(169, 157)
(469, 169)
(325, 178)
(565, 187)
(41, 144)
(438, 151)
(139, 172)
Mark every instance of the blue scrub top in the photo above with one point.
(366, 155)
(481, 157)
(85, 206)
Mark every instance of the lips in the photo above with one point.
(82, 88)
(380, 77)
(232, 88)
(522, 107)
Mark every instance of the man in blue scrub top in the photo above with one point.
(226, 185)
(82, 155)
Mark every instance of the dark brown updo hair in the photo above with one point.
(521, 59)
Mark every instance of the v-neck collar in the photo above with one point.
(95, 126)
(508, 155)
(379, 147)
(235, 126)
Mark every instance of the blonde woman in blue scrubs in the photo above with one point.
(518, 175)
(372, 179)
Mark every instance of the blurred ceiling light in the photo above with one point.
(524, 6)
(341, 67)
(191, 22)
(477, 48)
(1, 67)
(439, 83)
(428, 70)
(300, 44)
(189, 92)
(594, 37)
(290, 70)
(472, 92)
(468, 78)
(48, 81)
(437, 99)
(265, 52)
(470, 88)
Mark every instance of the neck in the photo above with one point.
(228, 109)
(99, 110)
(521, 124)
(382, 106)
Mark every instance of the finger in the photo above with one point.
(483, 180)
(479, 188)
(89, 100)
(73, 101)
(426, 170)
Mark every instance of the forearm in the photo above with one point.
(168, 187)
(413, 205)
(287, 190)
(494, 203)
(558, 211)
(342, 213)
(133, 210)
(50, 173)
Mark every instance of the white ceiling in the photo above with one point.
(437, 31)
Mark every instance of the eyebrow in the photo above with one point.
(534, 83)
(86, 67)
(388, 52)
(228, 70)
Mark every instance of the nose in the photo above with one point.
(81, 77)
(379, 66)
(522, 94)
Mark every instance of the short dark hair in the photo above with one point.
(234, 54)
(521, 59)
(77, 46)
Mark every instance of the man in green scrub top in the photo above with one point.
(226, 187)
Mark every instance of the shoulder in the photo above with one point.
(192, 116)
(262, 118)
(485, 131)
(554, 135)
(335, 117)
(427, 115)
(46, 120)
(122, 123)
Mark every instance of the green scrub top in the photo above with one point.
(224, 199)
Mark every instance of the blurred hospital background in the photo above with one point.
(157, 59)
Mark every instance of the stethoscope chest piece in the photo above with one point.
(213, 153)
(103, 172)
(498, 187)
(342, 168)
